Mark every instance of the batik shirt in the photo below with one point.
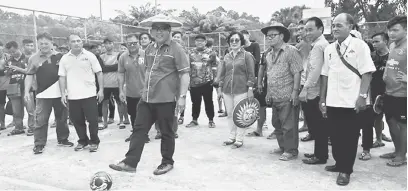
(201, 70)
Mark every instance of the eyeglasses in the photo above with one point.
(271, 36)
(133, 43)
(161, 29)
(234, 40)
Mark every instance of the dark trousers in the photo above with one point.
(285, 120)
(132, 108)
(147, 114)
(17, 103)
(197, 93)
(111, 109)
(344, 135)
(316, 122)
(367, 118)
(42, 112)
(81, 110)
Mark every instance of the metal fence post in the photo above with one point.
(264, 43)
(121, 33)
(35, 31)
(85, 33)
(219, 44)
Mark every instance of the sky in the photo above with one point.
(85, 8)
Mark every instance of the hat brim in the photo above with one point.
(149, 23)
(285, 31)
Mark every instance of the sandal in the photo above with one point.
(237, 144)
(254, 134)
(192, 124)
(394, 163)
(16, 132)
(388, 156)
(229, 142)
(365, 155)
(385, 138)
(287, 156)
(180, 120)
(377, 144)
(271, 136)
(103, 127)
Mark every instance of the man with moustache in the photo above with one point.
(166, 84)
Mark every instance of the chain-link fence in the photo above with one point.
(17, 24)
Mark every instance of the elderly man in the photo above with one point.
(346, 76)
(167, 79)
(311, 91)
(284, 64)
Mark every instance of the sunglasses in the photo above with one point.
(234, 40)
(271, 36)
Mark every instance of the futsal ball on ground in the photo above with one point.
(101, 181)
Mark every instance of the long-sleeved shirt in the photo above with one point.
(315, 62)
(237, 73)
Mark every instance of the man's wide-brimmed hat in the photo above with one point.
(160, 18)
(280, 27)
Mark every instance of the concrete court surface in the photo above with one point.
(201, 163)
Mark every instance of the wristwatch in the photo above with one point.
(364, 96)
(250, 88)
(183, 96)
(323, 104)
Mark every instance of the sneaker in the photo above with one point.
(80, 147)
(163, 169)
(122, 167)
(38, 149)
(53, 125)
(220, 111)
(30, 132)
(193, 123)
(126, 122)
(93, 147)
(211, 124)
(65, 143)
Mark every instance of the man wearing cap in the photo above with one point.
(202, 60)
(284, 64)
(111, 82)
(166, 84)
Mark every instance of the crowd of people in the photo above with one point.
(337, 86)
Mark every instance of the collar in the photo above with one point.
(70, 52)
(240, 50)
(346, 41)
(48, 55)
(402, 41)
(167, 42)
(317, 40)
(283, 47)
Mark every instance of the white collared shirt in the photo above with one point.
(80, 74)
(343, 87)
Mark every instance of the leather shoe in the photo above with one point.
(122, 167)
(343, 179)
(314, 160)
(309, 155)
(163, 169)
(331, 168)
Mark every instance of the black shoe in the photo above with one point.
(343, 179)
(93, 148)
(38, 149)
(163, 169)
(331, 168)
(309, 155)
(65, 143)
(314, 160)
(80, 147)
(122, 167)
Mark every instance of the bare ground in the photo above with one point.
(201, 163)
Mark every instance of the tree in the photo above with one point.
(138, 14)
(288, 15)
(369, 10)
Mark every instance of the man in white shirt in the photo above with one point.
(344, 93)
(77, 85)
